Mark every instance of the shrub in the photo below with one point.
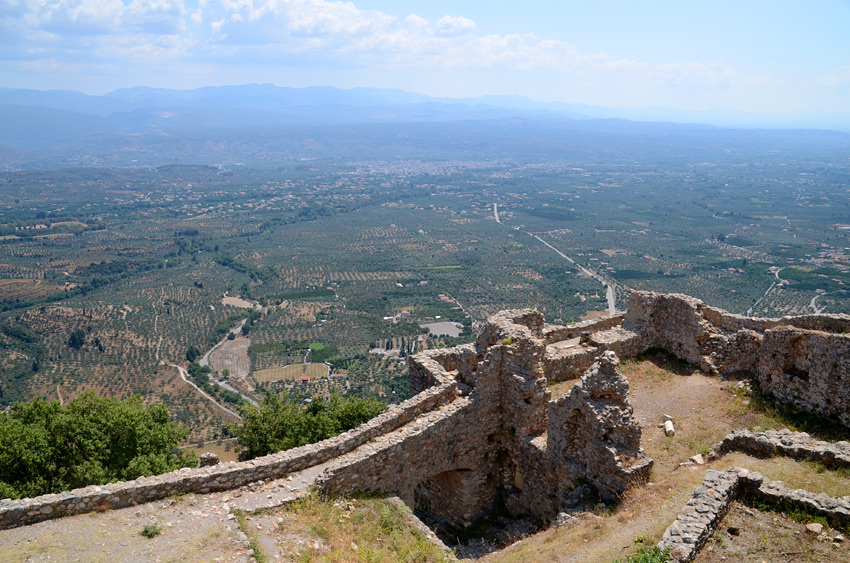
(281, 422)
(46, 447)
(151, 531)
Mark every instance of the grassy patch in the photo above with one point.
(647, 555)
(361, 528)
(242, 519)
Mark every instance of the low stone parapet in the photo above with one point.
(701, 515)
(797, 445)
(223, 476)
(711, 502)
(835, 510)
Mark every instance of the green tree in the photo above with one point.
(77, 339)
(46, 447)
(281, 422)
(193, 353)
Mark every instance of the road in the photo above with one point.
(205, 361)
(496, 212)
(814, 305)
(609, 293)
(185, 376)
(772, 285)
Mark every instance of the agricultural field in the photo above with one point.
(109, 277)
(292, 372)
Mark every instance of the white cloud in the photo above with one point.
(321, 33)
(837, 79)
(451, 25)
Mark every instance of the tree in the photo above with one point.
(192, 354)
(46, 447)
(281, 422)
(77, 339)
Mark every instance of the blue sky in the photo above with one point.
(774, 56)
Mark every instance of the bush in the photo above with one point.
(46, 447)
(648, 555)
(151, 531)
(282, 422)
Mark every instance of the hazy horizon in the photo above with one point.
(758, 58)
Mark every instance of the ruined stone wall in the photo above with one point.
(593, 432)
(504, 436)
(482, 425)
(809, 369)
(800, 360)
(224, 476)
(556, 333)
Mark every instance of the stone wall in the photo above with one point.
(712, 500)
(797, 445)
(482, 425)
(504, 438)
(808, 369)
(799, 360)
(223, 476)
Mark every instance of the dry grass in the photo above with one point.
(291, 372)
(767, 536)
(362, 529)
(704, 410)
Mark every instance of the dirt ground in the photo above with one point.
(704, 410)
(748, 534)
(232, 355)
(192, 528)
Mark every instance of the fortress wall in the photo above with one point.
(556, 333)
(447, 449)
(224, 476)
(570, 363)
(800, 360)
(808, 369)
(482, 419)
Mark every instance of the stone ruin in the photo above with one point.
(483, 429)
(503, 439)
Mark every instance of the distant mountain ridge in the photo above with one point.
(354, 102)
(262, 124)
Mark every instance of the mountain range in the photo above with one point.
(261, 123)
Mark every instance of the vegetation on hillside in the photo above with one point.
(46, 447)
(282, 422)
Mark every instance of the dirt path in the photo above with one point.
(193, 527)
(185, 376)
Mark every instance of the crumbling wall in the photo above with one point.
(557, 333)
(593, 433)
(807, 368)
(800, 360)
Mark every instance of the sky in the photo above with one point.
(746, 55)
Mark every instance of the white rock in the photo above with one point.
(815, 527)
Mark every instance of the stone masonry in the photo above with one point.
(702, 514)
(503, 438)
(799, 360)
(482, 428)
